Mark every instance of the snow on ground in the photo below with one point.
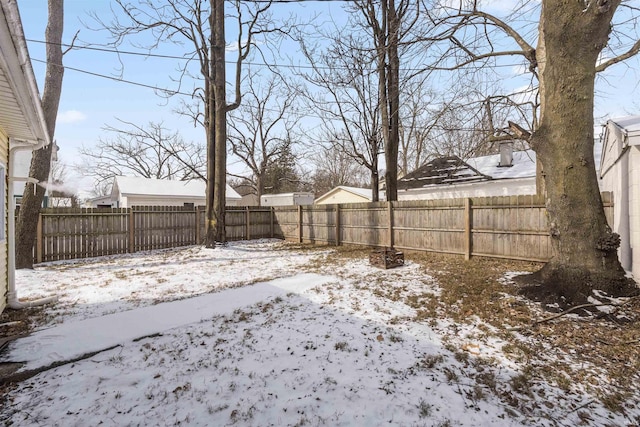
(334, 349)
(94, 287)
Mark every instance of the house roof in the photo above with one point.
(453, 170)
(629, 126)
(22, 116)
(362, 192)
(523, 165)
(617, 136)
(442, 170)
(128, 185)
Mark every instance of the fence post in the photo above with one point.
(132, 240)
(248, 221)
(272, 228)
(197, 225)
(390, 212)
(39, 239)
(337, 225)
(468, 224)
(299, 223)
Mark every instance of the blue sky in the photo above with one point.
(89, 102)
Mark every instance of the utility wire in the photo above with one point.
(175, 92)
(121, 80)
(259, 64)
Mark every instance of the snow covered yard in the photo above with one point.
(425, 344)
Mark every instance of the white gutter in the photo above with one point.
(12, 295)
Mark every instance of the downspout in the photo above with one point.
(12, 295)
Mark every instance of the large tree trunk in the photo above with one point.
(220, 113)
(584, 249)
(210, 222)
(393, 104)
(375, 181)
(41, 159)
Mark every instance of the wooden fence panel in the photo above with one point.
(319, 223)
(431, 225)
(364, 224)
(286, 222)
(235, 223)
(510, 227)
(161, 227)
(503, 227)
(69, 233)
(260, 222)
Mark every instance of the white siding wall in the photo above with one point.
(342, 196)
(503, 187)
(127, 202)
(623, 179)
(634, 208)
(4, 280)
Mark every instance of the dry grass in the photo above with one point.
(602, 355)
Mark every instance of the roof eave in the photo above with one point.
(15, 61)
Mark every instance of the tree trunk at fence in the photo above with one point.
(584, 248)
(41, 159)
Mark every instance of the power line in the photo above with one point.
(258, 64)
(121, 80)
(168, 91)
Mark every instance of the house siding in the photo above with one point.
(622, 178)
(4, 279)
(129, 201)
(498, 187)
(342, 196)
(634, 208)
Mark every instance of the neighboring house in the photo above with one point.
(21, 165)
(620, 174)
(287, 199)
(506, 174)
(99, 202)
(344, 194)
(22, 128)
(135, 191)
(249, 200)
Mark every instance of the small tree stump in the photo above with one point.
(386, 258)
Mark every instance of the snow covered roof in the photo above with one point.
(443, 170)
(453, 170)
(523, 166)
(128, 185)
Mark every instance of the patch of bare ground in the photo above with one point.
(14, 323)
(597, 352)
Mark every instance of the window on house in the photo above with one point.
(189, 205)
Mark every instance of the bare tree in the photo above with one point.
(344, 93)
(199, 26)
(570, 39)
(390, 24)
(41, 159)
(62, 193)
(261, 129)
(150, 151)
(334, 168)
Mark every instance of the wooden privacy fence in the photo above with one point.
(503, 227)
(68, 233)
(513, 227)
